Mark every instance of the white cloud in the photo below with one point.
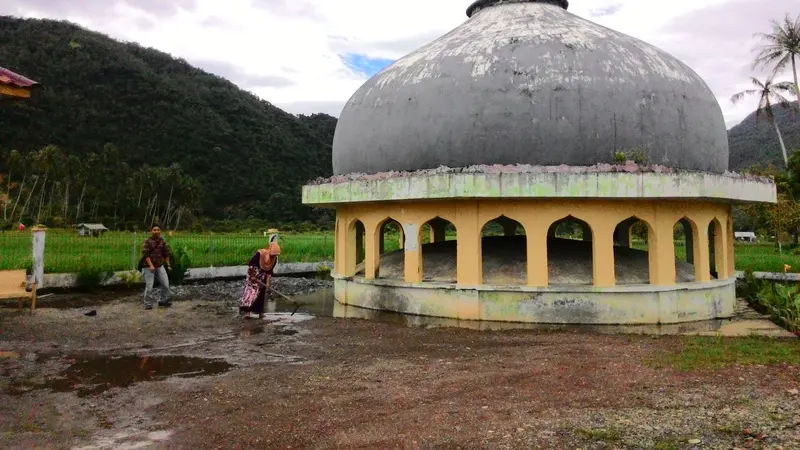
(274, 40)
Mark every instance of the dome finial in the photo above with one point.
(480, 4)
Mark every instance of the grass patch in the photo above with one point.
(669, 444)
(608, 435)
(701, 353)
(66, 252)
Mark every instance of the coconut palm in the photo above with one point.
(770, 93)
(782, 47)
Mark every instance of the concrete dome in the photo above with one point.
(526, 81)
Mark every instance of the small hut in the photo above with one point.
(15, 85)
(91, 229)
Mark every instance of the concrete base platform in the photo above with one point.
(745, 322)
(640, 304)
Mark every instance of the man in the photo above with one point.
(155, 263)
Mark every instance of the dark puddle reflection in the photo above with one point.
(96, 374)
(322, 303)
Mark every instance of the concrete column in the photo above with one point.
(661, 252)
(538, 272)
(702, 272)
(372, 250)
(731, 255)
(413, 253)
(350, 250)
(687, 231)
(712, 248)
(468, 254)
(402, 238)
(438, 230)
(337, 244)
(359, 242)
(720, 251)
(603, 256)
(38, 256)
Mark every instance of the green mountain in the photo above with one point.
(126, 135)
(756, 142)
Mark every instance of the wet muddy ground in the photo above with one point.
(196, 376)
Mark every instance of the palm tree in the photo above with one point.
(782, 47)
(770, 93)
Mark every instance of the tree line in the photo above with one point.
(54, 188)
(189, 147)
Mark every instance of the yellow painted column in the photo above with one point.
(337, 244)
(438, 229)
(661, 249)
(413, 253)
(730, 264)
(372, 252)
(721, 253)
(350, 251)
(701, 251)
(469, 262)
(602, 254)
(536, 236)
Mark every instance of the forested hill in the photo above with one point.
(754, 142)
(122, 134)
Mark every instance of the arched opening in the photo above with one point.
(631, 251)
(438, 241)
(569, 252)
(355, 249)
(570, 228)
(716, 251)
(391, 256)
(683, 235)
(504, 252)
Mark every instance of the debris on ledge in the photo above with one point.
(629, 167)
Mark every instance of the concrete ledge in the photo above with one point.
(771, 276)
(67, 280)
(553, 305)
(517, 185)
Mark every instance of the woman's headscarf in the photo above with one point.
(269, 253)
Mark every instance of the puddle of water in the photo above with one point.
(322, 303)
(96, 374)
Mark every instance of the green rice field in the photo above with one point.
(65, 251)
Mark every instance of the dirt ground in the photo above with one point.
(96, 382)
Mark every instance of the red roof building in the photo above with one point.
(15, 85)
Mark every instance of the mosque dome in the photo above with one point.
(527, 82)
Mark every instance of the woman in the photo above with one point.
(259, 274)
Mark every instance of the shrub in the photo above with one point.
(92, 277)
(180, 264)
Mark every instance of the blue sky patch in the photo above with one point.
(363, 64)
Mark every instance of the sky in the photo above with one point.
(309, 56)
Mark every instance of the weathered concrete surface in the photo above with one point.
(744, 322)
(530, 83)
(554, 305)
(66, 280)
(505, 263)
(516, 185)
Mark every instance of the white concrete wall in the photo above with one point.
(66, 280)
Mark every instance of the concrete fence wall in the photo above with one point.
(67, 280)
